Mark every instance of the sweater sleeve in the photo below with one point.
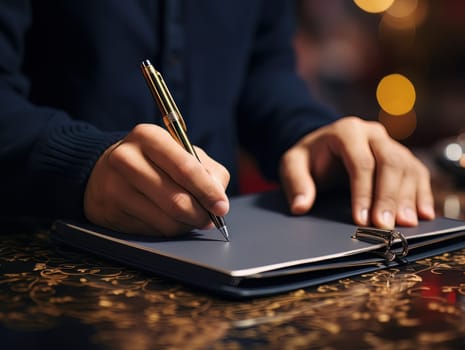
(45, 155)
(276, 108)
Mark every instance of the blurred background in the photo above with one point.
(401, 62)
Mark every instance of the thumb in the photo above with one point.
(297, 181)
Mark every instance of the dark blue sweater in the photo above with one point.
(70, 85)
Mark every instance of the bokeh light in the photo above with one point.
(405, 14)
(398, 25)
(399, 127)
(452, 206)
(374, 6)
(399, 34)
(396, 94)
(453, 152)
(402, 8)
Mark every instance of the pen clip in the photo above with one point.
(165, 92)
(161, 94)
(386, 237)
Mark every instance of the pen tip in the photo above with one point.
(224, 232)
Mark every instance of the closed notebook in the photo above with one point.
(270, 250)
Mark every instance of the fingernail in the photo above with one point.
(220, 208)
(299, 204)
(388, 219)
(428, 211)
(410, 215)
(217, 181)
(364, 216)
(299, 200)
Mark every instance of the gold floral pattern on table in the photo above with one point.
(42, 284)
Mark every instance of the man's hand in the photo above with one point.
(147, 183)
(389, 185)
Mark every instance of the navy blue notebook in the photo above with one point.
(270, 250)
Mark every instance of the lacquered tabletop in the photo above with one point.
(52, 297)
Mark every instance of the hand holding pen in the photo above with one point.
(174, 123)
(147, 184)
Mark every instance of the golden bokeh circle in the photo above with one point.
(404, 8)
(396, 94)
(374, 6)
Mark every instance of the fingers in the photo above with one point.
(403, 191)
(406, 214)
(182, 168)
(137, 212)
(147, 183)
(361, 165)
(416, 195)
(215, 169)
(151, 181)
(131, 211)
(425, 198)
(389, 185)
(399, 182)
(296, 180)
(394, 192)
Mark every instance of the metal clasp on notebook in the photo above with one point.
(386, 237)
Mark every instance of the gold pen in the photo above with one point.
(174, 122)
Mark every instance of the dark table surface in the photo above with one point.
(56, 297)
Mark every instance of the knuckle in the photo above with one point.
(338, 130)
(180, 204)
(189, 166)
(226, 176)
(142, 130)
(391, 160)
(387, 201)
(407, 201)
(357, 123)
(365, 163)
(221, 173)
(115, 159)
(118, 156)
(379, 129)
(350, 122)
(362, 198)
